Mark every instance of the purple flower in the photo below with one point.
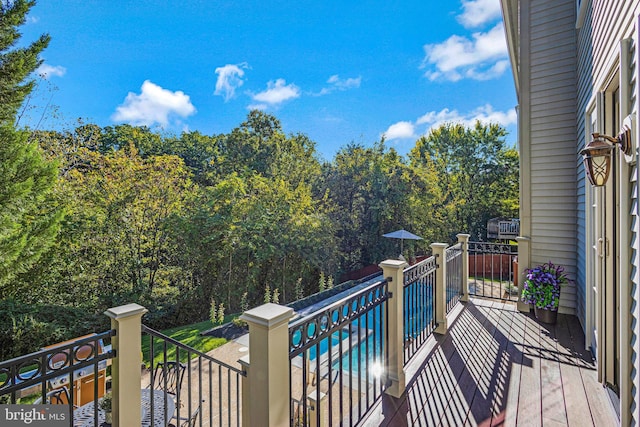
(542, 286)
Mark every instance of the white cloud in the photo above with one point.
(479, 12)
(45, 71)
(480, 58)
(153, 105)
(485, 114)
(336, 83)
(433, 119)
(491, 73)
(436, 118)
(229, 79)
(260, 107)
(400, 130)
(277, 91)
(344, 84)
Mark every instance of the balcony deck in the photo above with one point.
(497, 366)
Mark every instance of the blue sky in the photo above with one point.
(337, 71)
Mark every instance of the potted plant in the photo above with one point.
(105, 405)
(542, 289)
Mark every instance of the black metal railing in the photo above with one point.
(337, 355)
(453, 280)
(75, 370)
(493, 270)
(419, 315)
(199, 388)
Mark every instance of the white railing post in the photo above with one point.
(125, 366)
(463, 239)
(524, 244)
(315, 407)
(265, 389)
(393, 270)
(440, 293)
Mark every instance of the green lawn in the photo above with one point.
(189, 335)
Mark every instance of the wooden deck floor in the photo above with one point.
(497, 366)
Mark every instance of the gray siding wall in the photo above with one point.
(584, 95)
(606, 23)
(634, 288)
(635, 298)
(552, 138)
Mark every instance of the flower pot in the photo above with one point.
(546, 316)
(108, 418)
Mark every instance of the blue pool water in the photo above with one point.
(363, 341)
(336, 337)
(366, 344)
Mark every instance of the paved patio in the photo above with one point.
(497, 366)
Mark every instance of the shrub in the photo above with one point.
(213, 312)
(220, 319)
(27, 328)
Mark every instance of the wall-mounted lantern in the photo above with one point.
(597, 154)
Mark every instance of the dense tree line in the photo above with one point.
(95, 217)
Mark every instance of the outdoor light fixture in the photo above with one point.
(597, 155)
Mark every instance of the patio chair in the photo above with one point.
(59, 396)
(173, 373)
(187, 422)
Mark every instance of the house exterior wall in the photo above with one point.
(548, 51)
(600, 54)
(584, 98)
(564, 53)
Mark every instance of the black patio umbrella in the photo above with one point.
(402, 234)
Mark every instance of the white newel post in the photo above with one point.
(265, 389)
(125, 366)
(463, 239)
(440, 293)
(393, 270)
(315, 407)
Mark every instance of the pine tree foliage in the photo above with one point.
(29, 218)
(16, 64)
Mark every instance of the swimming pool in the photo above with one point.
(323, 346)
(359, 345)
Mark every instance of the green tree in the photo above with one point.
(135, 198)
(474, 173)
(260, 146)
(116, 244)
(123, 137)
(256, 222)
(367, 192)
(29, 219)
(199, 152)
(16, 64)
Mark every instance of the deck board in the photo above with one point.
(488, 348)
(496, 366)
(464, 383)
(516, 335)
(554, 411)
(577, 406)
(599, 404)
(529, 402)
